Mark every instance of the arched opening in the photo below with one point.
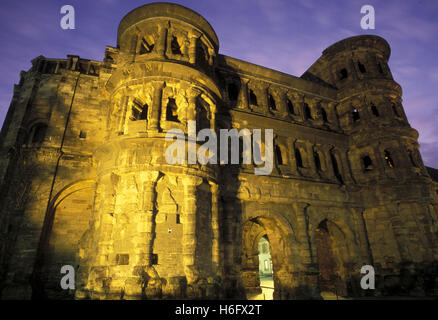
(361, 67)
(65, 224)
(252, 98)
(172, 110)
(290, 107)
(307, 111)
(267, 268)
(375, 111)
(139, 111)
(324, 115)
(38, 133)
(298, 158)
(271, 103)
(175, 47)
(233, 92)
(367, 163)
(266, 271)
(331, 253)
(356, 115)
(388, 159)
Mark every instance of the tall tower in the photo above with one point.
(385, 162)
(154, 230)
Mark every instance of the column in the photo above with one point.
(161, 43)
(193, 38)
(189, 228)
(153, 123)
(215, 221)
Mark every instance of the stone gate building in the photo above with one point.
(84, 180)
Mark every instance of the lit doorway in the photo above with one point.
(266, 272)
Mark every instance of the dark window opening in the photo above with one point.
(317, 161)
(324, 115)
(233, 92)
(395, 110)
(336, 169)
(122, 259)
(298, 158)
(171, 110)
(178, 221)
(343, 74)
(145, 47)
(307, 111)
(361, 67)
(271, 103)
(139, 111)
(388, 159)
(39, 133)
(279, 155)
(82, 134)
(290, 107)
(374, 110)
(367, 163)
(175, 47)
(252, 98)
(356, 115)
(379, 66)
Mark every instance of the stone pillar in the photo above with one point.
(153, 123)
(146, 224)
(193, 94)
(215, 221)
(243, 94)
(189, 228)
(161, 43)
(193, 40)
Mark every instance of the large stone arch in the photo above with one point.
(285, 252)
(67, 219)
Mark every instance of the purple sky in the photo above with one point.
(285, 35)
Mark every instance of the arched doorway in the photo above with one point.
(67, 220)
(332, 252)
(266, 271)
(275, 235)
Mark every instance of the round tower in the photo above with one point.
(383, 153)
(154, 231)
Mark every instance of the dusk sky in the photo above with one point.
(285, 35)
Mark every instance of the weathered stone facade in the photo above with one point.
(85, 181)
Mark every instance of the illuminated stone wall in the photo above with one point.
(85, 181)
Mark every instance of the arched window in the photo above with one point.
(279, 155)
(374, 110)
(317, 161)
(146, 45)
(39, 133)
(343, 74)
(298, 158)
(336, 168)
(175, 47)
(324, 115)
(395, 110)
(290, 107)
(367, 163)
(172, 110)
(233, 92)
(379, 67)
(139, 111)
(388, 159)
(361, 67)
(271, 103)
(252, 98)
(307, 111)
(355, 114)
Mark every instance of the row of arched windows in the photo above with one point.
(233, 95)
(343, 72)
(355, 114)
